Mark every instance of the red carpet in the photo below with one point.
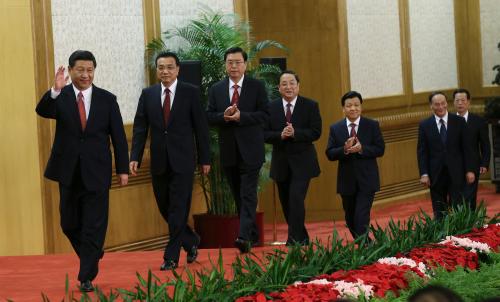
(24, 278)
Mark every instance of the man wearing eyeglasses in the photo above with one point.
(172, 111)
(237, 106)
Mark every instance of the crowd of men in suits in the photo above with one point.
(452, 150)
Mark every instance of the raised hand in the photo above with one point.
(60, 80)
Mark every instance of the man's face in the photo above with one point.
(235, 66)
(352, 108)
(82, 74)
(439, 105)
(461, 103)
(288, 87)
(167, 70)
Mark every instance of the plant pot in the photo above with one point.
(220, 231)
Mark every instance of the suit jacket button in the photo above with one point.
(165, 132)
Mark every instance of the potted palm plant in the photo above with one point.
(206, 39)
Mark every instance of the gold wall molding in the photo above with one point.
(398, 189)
(157, 243)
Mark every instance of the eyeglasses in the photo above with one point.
(237, 63)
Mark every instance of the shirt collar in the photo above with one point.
(285, 102)
(348, 122)
(240, 82)
(465, 116)
(172, 87)
(445, 118)
(87, 93)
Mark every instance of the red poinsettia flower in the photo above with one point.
(445, 255)
(489, 235)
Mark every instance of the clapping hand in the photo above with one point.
(232, 114)
(288, 131)
(351, 141)
(356, 147)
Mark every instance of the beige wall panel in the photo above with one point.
(433, 50)
(490, 38)
(114, 31)
(374, 47)
(21, 225)
(134, 216)
(399, 163)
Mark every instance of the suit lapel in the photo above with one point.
(157, 109)
(176, 102)
(344, 131)
(225, 93)
(434, 130)
(361, 133)
(280, 113)
(69, 95)
(296, 110)
(244, 91)
(93, 104)
(451, 127)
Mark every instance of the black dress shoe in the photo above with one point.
(192, 254)
(292, 242)
(243, 245)
(168, 265)
(86, 286)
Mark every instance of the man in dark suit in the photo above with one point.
(237, 106)
(443, 153)
(173, 113)
(294, 124)
(356, 142)
(477, 131)
(86, 117)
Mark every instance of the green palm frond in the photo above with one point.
(261, 45)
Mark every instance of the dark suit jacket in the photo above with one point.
(186, 122)
(356, 171)
(432, 154)
(298, 153)
(477, 131)
(90, 147)
(247, 135)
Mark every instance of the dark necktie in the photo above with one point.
(81, 110)
(288, 114)
(236, 96)
(353, 129)
(442, 131)
(166, 106)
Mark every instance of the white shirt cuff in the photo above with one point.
(54, 93)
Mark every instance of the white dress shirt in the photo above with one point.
(348, 122)
(285, 102)
(231, 89)
(465, 116)
(87, 97)
(172, 88)
(438, 119)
